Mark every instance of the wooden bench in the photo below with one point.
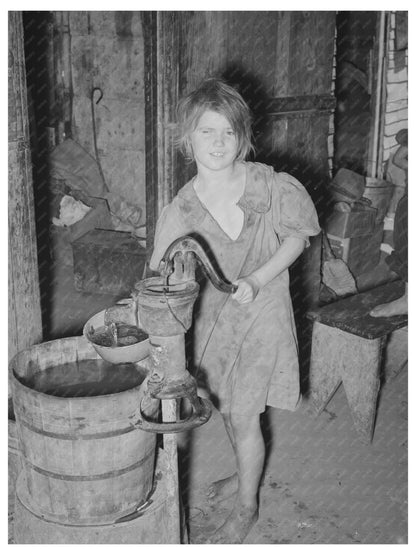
(347, 347)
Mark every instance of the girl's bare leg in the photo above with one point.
(248, 444)
(226, 487)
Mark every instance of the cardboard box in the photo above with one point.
(360, 253)
(364, 253)
(351, 224)
(107, 261)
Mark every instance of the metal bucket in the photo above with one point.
(380, 193)
(165, 310)
(84, 462)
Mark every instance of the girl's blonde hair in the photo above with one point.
(216, 96)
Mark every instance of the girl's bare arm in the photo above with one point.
(290, 249)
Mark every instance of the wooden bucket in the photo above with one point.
(83, 460)
(153, 524)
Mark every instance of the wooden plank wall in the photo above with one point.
(25, 325)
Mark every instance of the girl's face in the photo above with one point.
(214, 142)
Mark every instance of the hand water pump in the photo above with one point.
(165, 312)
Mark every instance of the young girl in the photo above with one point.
(254, 223)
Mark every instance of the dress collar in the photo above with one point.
(256, 196)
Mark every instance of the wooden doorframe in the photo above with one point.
(161, 66)
(24, 308)
(378, 100)
(151, 136)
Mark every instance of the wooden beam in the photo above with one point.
(297, 106)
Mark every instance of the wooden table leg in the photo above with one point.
(361, 379)
(325, 369)
(338, 356)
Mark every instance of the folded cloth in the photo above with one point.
(125, 216)
(71, 162)
(71, 211)
(336, 274)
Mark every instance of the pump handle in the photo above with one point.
(186, 244)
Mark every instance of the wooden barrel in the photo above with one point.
(83, 460)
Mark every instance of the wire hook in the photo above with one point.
(93, 92)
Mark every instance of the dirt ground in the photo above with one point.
(321, 485)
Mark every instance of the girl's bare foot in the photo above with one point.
(393, 308)
(237, 526)
(222, 489)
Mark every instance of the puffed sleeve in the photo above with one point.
(169, 227)
(293, 211)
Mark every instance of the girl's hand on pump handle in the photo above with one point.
(248, 289)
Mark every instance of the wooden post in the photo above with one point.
(25, 325)
(170, 446)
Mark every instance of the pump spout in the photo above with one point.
(181, 249)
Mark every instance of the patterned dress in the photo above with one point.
(246, 353)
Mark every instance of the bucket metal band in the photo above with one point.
(90, 477)
(76, 435)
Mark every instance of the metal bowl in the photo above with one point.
(116, 355)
